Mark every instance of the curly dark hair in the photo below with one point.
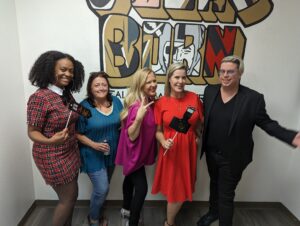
(90, 96)
(42, 72)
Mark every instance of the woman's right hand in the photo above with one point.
(60, 137)
(167, 143)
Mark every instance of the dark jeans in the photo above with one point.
(222, 187)
(135, 189)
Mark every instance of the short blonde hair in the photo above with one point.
(172, 68)
(135, 91)
(236, 60)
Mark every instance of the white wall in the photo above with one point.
(16, 180)
(56, 25)
(272, 67)
(291, 184)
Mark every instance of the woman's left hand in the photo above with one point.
(101, 146)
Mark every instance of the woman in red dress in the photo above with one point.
(175, 173)
(51, 127)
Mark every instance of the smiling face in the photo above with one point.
(63, 72)
(229, 75)
(99, 88)
(150, 86)
(177, 82)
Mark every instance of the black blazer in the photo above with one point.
(249, 110)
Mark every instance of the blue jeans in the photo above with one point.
(100, 180)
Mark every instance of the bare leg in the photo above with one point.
(172, 210)
(67, 195)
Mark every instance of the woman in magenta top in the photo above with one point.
(137, 144)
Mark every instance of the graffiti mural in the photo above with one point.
(155, 33)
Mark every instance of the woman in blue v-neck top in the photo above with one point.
(98, 136)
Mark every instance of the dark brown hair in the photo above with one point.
(90, 96)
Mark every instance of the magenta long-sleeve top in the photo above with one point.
(142, 151)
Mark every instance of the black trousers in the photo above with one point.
(135, 189)
(222, 187)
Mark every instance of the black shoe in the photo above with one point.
(207, 219)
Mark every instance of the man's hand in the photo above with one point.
(296, 140)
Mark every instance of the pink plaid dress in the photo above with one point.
(58, 164)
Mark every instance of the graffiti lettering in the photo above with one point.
(155, 33)
(249, 12)
(121, 44)
(127, 47)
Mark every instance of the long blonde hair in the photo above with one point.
(135, 91)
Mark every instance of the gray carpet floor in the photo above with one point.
(153, 214)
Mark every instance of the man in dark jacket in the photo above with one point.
(230, 113)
